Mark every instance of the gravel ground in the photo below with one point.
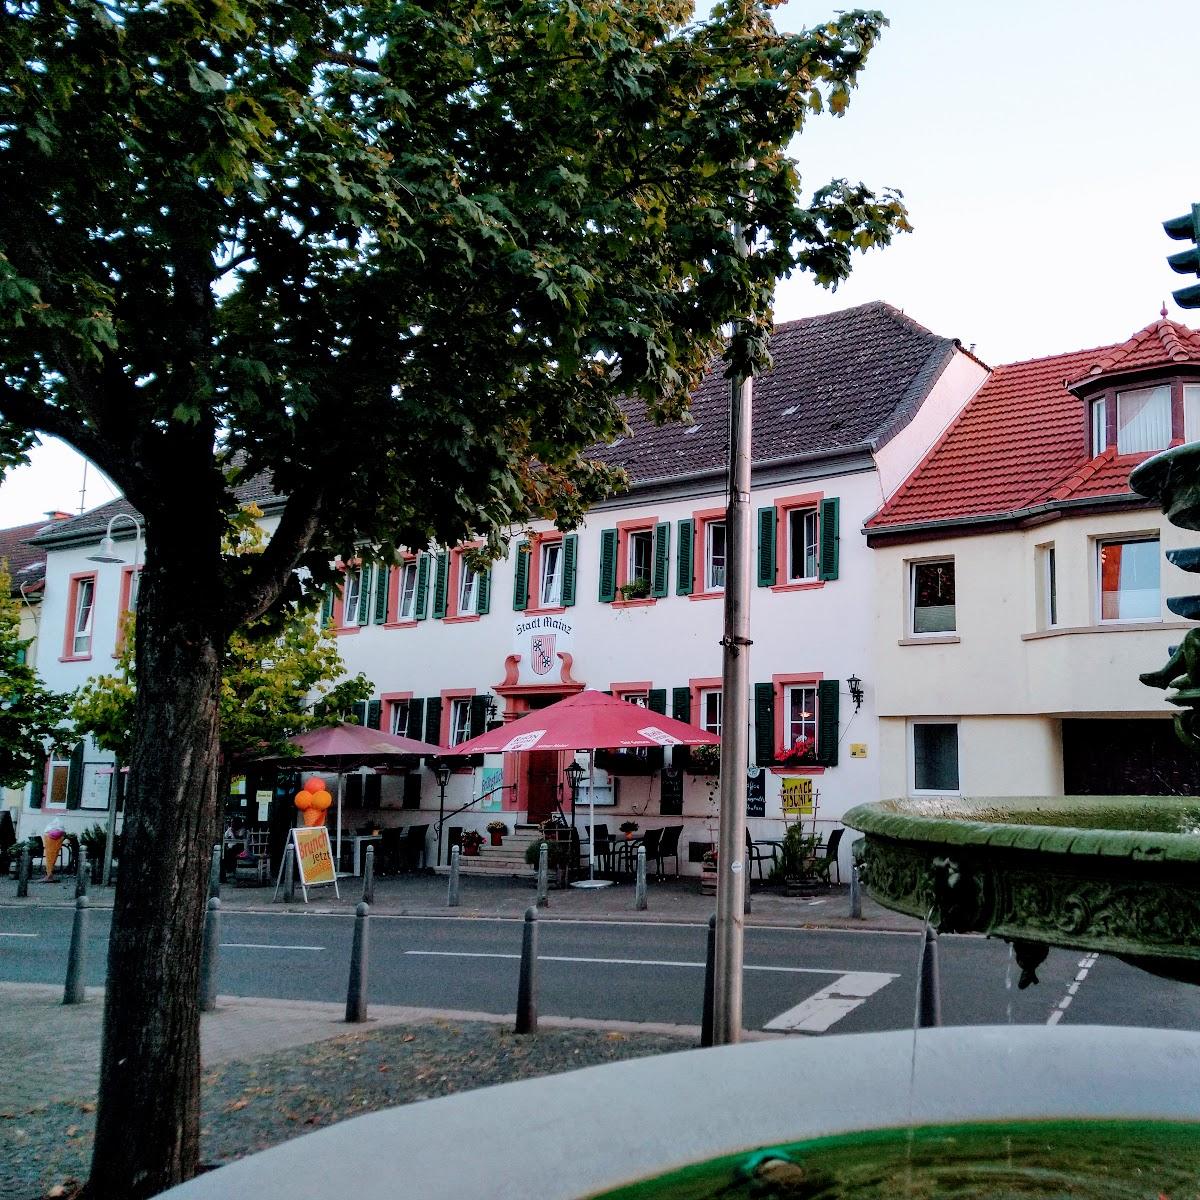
(250, 1105)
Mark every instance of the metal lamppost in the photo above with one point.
(441, 772)
(574, 775)
(107, 553)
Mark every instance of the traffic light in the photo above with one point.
(1186, 262)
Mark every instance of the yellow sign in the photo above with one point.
(314, 855)
(798, 795)
(858, 749)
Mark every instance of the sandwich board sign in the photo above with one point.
(314, 859)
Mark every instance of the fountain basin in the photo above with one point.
(1115, 874)
(585, 1133)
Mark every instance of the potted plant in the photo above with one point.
(471, 841)
(497, 829)
(628, 828)
(93, 840)
(802, 753)
(637, 589)
(799, 866)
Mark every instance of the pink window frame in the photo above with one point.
(389, 700)
(534, 585)
(392, 620)
(784, 506)
(68, 654)
(703, 518)
(453, 573)
(780, 684)
(624, 529)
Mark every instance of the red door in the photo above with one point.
(542, 779)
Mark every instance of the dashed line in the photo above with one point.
(1085, 965)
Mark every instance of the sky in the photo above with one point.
(1039, 147)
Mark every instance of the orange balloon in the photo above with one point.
(303, 800)
(312, 817)
(315, 784)
(322, 800)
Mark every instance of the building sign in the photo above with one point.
(798, 796)
(263, 800)
(491, 789)
(314, 856)
(538, 642)
(670, 792)
(858, 749)
(756, 792)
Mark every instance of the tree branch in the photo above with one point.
(21, 409)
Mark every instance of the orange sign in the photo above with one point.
(314, 855)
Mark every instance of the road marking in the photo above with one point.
(264, 946)
(1085, 965)
(624, 962)
(833, 1002)
(20, 935)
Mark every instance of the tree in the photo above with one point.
(31, 717)
(402, 261)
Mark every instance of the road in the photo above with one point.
(801, 981)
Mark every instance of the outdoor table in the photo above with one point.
(357, 843)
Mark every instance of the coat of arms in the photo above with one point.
(541, 651)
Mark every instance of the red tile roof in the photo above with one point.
(26, 563)
(1021, 441)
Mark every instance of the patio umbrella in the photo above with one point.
(588, 721)
(341, 748)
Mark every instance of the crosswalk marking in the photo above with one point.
(836, 1000)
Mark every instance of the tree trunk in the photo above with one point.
(148, 1118)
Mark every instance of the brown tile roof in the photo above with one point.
(838, 380)
(26, 562)
(1021, 441)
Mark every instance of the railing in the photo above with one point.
(500, 787)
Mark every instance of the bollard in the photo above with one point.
(929, 991)
(74, 992)
(356, 990)
(289, 873)
(209, 953)
(23, 871)
(82, 873)
(639, 887)
(452, 892)
(214, 874)
(855, 894)
(710, 962)
(543, 884)
(527, 986)
(368, 894)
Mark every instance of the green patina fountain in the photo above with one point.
(1116, 874)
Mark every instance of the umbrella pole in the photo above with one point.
(341, 793)
(591, 881)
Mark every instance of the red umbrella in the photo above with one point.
(587, 721)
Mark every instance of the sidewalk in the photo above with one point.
(675, 900)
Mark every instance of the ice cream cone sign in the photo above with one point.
(312, 801)
(52, 840)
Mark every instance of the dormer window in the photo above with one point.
(1099, 414)
(1144, 420)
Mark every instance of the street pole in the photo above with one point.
(110, 830)
(441, 817)
(735, 683)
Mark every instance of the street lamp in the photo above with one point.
(856, 691)
(574, 774)
(107, 553)
(441, 772)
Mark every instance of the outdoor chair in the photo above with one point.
(830, 855)
(603, 847)
(760, 852)
(668, 847)
(651, 839)
(412, 851)
(390, 851)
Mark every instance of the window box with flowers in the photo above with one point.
(497, 829)
(471, 841)
(801, 753)
(703, 760)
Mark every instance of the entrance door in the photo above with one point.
(542, 778)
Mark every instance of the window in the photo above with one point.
(550, 583)
(710, 711)
(399, 720)
(1047, 582)
(803, 544)
(1128, 570)
(81, 616)
(60, 775)
(460, 720)
(468, 588)
(1191, 412)
(407, 607)
(131, 584)
(352, 590)
(1144, 420)
(714, 556)
(932, 587)
(935, 756)
(641, 557)
(1099, 422)
(800, 721)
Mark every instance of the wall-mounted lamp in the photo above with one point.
(107, 553)
(856, 691)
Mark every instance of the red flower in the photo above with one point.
(803, 751)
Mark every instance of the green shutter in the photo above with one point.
(479, 707)
(327, 607)
(766, 547)
(829, 538)
(685, 575)
(75, 777)
(764, 723)
(433, 720)
(441, 581)
(364, 595)
(681, 703)
(521, 578)
(656, 701)
(570, 561)
(37, 785)
(662, 559)
(483, 597)
(383, 580)
(415, 728)
(608, 566)
(422, 594)
(375, 714)
(359, 711)
(828, 703)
